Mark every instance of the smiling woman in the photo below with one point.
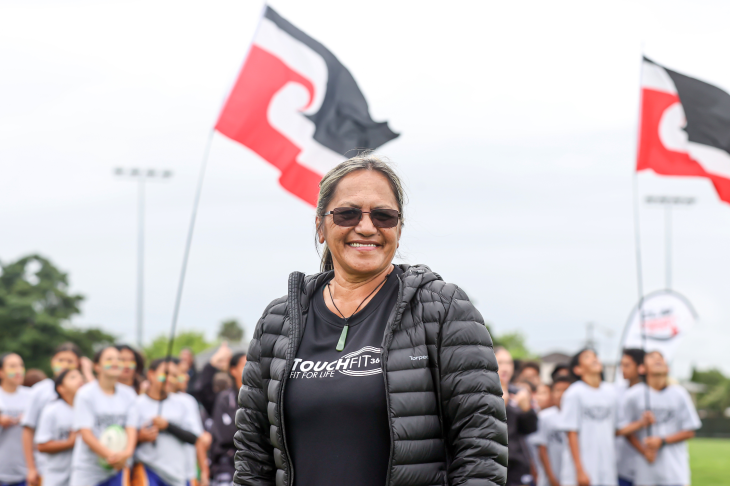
(369, 373)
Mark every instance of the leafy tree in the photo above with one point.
(187, 339)
(231, 330)
(514, 342)
(36, 308)
(717, 397)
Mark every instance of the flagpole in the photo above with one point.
(186, 254)
(637, 238)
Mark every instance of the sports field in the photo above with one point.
(710, 462)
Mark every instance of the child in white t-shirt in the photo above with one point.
(14, 398)
(664, 460)
(100, 407)
(54, 435)
(589, 416)
(549, 439)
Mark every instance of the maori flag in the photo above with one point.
(685, 127)
(298, 107)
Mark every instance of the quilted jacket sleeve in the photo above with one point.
(474, 416)
(255, 455)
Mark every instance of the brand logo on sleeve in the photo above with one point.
(364, 362)
(415, 358)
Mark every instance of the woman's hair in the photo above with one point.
(33, 376)
(330, 181)
(138, 358)
(68, 347)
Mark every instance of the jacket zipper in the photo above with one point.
(295, 314)
(384, 359)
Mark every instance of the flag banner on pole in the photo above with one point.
(298, 107)
(685, 127)
(667, 318)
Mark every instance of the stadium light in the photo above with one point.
(141, 176)
(668, 202)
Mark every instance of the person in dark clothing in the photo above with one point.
(369, 373)
(521, 422)
(202, 389)
(223, 427)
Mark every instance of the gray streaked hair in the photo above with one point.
(328, 186)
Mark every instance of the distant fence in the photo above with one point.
(715, 427)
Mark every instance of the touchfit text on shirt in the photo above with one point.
(363, 362)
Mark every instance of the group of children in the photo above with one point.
(94, 430)
(590, 432)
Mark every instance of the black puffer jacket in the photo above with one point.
(447, 417)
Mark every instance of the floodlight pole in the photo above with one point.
(668, 202)
(141, 176)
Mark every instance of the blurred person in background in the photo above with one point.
(589, 416)
(222, 451)
(14, 398)
(529, 371)
(187, 364)
(664, 458)
(560, 370)
(626, 454)
(543, 397)
(33, 376)
(164, 428)
(55, 437)
(99, 406)
(132, 368)
(66, 356)
(589, 409)
(521, 422)
(549, 439)
(359, 359)
(193, 454)
(203, 388)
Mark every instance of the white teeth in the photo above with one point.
(362, 244)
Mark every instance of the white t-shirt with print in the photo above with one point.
(593, 413)
(674, 412)
(42, 393)
(166, 456)
(95, 410)
(549, 435)
(56, 423)
(193, 411)
(12, 461)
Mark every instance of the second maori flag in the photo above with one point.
(298, 107)
(685, 127)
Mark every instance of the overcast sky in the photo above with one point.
(518, 124)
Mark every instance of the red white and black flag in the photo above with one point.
(298, 107)
(685, 127)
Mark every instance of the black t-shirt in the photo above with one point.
(335, 409)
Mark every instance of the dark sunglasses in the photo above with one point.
(381, 218)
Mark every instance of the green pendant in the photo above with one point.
(343, 337)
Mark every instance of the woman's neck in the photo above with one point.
(154, 394)
(9, 387)
(69, 399)
(592, 380)
(348, 291)
(107, 384)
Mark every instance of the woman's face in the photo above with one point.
(129, 365)
(65, 360)
(13, 370)
(361, 250)
(72, 382)
(109, 365)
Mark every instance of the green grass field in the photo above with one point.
(710, 462)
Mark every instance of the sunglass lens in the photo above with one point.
(384, 218)
(346, 216)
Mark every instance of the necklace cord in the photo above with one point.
(361, 303)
